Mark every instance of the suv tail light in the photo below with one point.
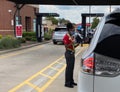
(106, 66)
(88, 64)
(101, 65)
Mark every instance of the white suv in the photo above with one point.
(100, 64)
(58, 34)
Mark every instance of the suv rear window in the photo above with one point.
(110, 46)
(109, 41)
(60, 29)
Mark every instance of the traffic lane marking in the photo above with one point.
(51, 79)
(37, 74)
(19, 52)
(49, 82)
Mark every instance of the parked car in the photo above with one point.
(100, 64)
(58, 34)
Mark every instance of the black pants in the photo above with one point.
(70, 61)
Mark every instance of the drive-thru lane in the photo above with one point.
(33, 69)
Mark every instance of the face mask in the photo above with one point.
(72, 33)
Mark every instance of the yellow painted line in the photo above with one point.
(20, 52)
(60, 63)
(84, 45)
(54, 77)
(33, 86)
(46, 75)
(35, 75)
(55, 69)
(79, 51)
(50, 81)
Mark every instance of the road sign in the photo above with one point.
(19, 31)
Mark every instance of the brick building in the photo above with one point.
(27, 17)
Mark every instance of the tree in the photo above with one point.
(63, 21)
(54, 20)
(95, 22)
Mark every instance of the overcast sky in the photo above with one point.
(73, 13)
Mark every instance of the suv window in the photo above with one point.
(109, 41)
(60, 29)
(110, 46)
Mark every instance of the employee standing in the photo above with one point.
(69, 42)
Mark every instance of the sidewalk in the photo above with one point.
(24, 46)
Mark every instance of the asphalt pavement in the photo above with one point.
(56, 84)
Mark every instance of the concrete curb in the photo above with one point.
(23, 47)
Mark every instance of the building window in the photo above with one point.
(18, 20)
(34, 25)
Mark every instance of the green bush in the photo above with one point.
(9, 42)
(33, 39)
(29, 36)
(47, 36)
(22, 40)
(51, 31)
(33, 34)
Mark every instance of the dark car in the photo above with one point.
(100, 64)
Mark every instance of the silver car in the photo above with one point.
(100, 64)
(58, 34)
